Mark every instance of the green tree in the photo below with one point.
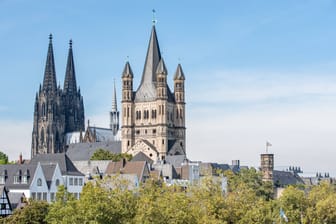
(64, 209)
(294, 203)
(3, 158)
(102, 154)
(322, 207)
(33, 213)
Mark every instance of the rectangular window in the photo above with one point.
(80, 182)
(3, 206)
(70, 181)
(52, 196)
(17, 180)
(76, 182)
(2, 179)
(39, 196)
(44, 196)
(33, 195)
(24, 180)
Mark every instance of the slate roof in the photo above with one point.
(15, 199)
(175, 160)
(147, 88)
(102, 134)
(10, 170)
(84, 151)
(131, 167)
(285, 178)
(65, 164)
(48, 171)
(142, 157)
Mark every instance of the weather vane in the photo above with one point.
(154, 19)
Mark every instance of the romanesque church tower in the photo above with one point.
(56, 112)
(153, 117)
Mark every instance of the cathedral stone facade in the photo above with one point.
(153, 117)
(57, 111)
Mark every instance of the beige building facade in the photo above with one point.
(153, 117)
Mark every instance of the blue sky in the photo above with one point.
(256, 70)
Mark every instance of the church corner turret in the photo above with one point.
(153, 117)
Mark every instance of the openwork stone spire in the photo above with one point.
(49, 80)
(70, 86)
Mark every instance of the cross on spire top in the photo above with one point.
(154, 19)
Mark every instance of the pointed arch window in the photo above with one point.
(39, 182)
(42, 136)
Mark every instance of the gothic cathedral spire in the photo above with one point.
(72, 100)
(49, 81)
(114, 114)
(70, 86)
(56, 112)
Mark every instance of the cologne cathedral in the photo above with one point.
(57, 111)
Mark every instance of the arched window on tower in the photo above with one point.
(42, 136)
(43, 109)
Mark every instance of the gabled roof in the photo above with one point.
(15, 199)
(175, 160)
(142, 157)
(130, 167)
(65, 164)
(12, 170)
(84, 151)
(48, 171)
(102, 134)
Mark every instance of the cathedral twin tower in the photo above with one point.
(56, 111)
(153, 117)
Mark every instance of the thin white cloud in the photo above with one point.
(15, 138)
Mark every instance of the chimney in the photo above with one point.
(20, 158)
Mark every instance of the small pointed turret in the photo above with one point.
(70, 86)
(114, 98)
(179, 73)
(49, 81)
(161, 68)
(114, 114)
(127, 71)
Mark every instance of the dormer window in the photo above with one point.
(17, 177)
(25, 177)
(2, 179)
(17, 180)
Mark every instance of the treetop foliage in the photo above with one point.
(102, 154)
(247, 201)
